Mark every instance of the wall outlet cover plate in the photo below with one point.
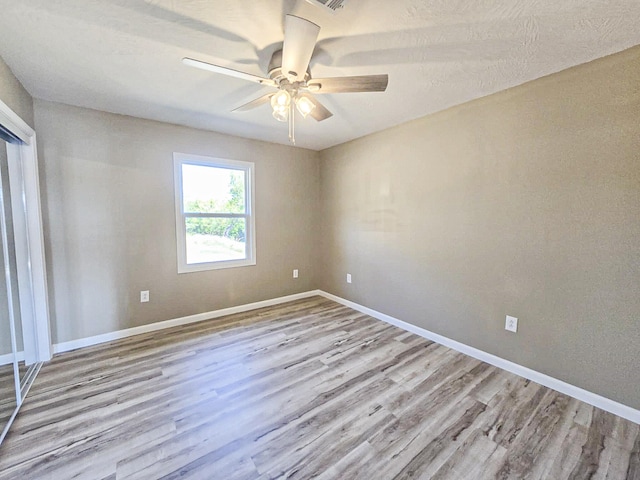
(511, 324)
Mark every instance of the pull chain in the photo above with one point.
(292, 121)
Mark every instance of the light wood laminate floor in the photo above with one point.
(8, 400)
(307, 389)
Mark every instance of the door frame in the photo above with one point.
(29, 238)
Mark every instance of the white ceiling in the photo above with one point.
(123, 56)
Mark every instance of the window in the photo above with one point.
(214, 213)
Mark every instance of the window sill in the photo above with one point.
(203, 267)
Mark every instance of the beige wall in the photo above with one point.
(524, 203)
(108, 200)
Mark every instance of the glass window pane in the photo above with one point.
(215, 239)
(207, 189)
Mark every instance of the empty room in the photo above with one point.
(328, 239)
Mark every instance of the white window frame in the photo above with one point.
(180, 159)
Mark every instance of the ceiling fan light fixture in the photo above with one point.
(305, 106)
(282, 115)
(281, 100)
(289, 74)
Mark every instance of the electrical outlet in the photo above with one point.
(144, 296)
(348, 278)
(511, 324)
(295, 273)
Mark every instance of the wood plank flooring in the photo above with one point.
(307, 389)
(8, 400)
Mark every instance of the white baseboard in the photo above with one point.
(7, 358)
(129, 332)
(591, 398)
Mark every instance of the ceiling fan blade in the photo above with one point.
(254, 103)
(300, 37)
(227, 71)
(319, 113)
(364, 83)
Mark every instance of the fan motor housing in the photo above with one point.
(275, 69)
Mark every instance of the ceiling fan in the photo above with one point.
(289, 73)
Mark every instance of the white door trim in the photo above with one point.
(29, 238)
(14, 124)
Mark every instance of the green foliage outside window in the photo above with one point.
(233, 228)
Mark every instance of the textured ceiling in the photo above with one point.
(124, 56)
